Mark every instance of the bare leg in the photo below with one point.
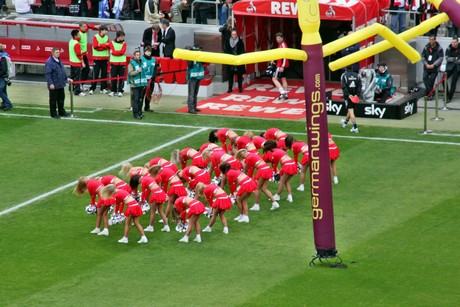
(138, 225)
(192, 223)
(223, 218)
(127, 225)
(262, 184)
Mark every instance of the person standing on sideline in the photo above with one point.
(168, 39)
(432, 56)
(152, 38)
(83, 28)
(76, 61)
(149, 67)
(101, 47)
(351, 87)
(452, 66)
(234, 45)
(195, 72)
(117, 63)
(282, 66)
(56, 79)
(137, 81)
(398, 19)
(4, 80)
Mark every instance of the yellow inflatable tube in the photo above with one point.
(247, 58)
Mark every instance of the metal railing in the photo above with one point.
(192, 9)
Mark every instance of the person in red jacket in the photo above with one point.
(101, 53)
(188, 207)
(118, 64)
(334, 154)
(76, 61)
(282, 66)
(132, 212)
(218, 200)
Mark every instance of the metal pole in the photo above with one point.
(445, 108)
(425, 115)
(436, 97)
(71, 100)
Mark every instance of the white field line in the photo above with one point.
(47, 109)
(105, 170)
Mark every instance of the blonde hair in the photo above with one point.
(199, 189)
(249, 134)
(108, 191)
(206, 154)
(175, 156)
(80, 188)
(125, 169)
(154, 170)
(241, 154)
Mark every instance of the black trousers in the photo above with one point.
(75, 75)
(117, 71)
(57, 97)
(231, 74)
(454, 73)
(137, 98)
(383, 95)
(85, 70)
(193, 88)
(100, 68)
(428, 79)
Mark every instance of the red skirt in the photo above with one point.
(223, 202)
(177, 188)
(289, 167)
(248, 185)
(334, 153)
(124, 186)
(196, 207)
(264, 172)
(157, 196)
(105, 202)
(133, 208)
(305, 160)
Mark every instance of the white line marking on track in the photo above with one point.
(105, 170)
(47, 109)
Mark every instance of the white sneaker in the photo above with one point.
(238, 217)
(244, 219)
(276, 197)
(207, 229)
(289, 198)
(275, 206)
(111, 94)
(336, 180)
(301, 188)
(120, 94)
(143, 240)
(161, 221)
(104, 91)
(96, 230)
(344, 123)
(184, 239)
(105, 232)
(256, 207)
(123, 240)
(355, 130)
(149, 228)
(82, 94)
(91, 92)
(166, 228)
(197, 239)
(225, 230)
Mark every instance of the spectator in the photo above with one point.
(282, 66)
(152, 12)
(101, 48)
(4, 80)
(152, 38)
(452, 66)
(226, 11)
(226, 31)
(48, 7)
(76, 61)
(432, 56)
(137, 81)
(398, 19)
(117, 64)
(56, 79)
(351, 87)
(168, 39)
(184, 7)
(349, 50)
(384, 83)
(23, 6)
(195, 72)
(234, 45)
(202, 11)
(428, 10)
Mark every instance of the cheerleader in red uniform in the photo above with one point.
(165, 176)
(223, 135)
(94, 188)
(276, 134)
(210, 146)
(334, 154)
(186, 154)
(258, 142)
(132, 213)
(188, 207)
(216, 157)
(218, 200)
(298, 147)
(275, 155)
(264, 173)
(194, 175)
(127, 170)
(120, 184)
(163, 163)
(157, 197)
(244, 142)
(246, 187)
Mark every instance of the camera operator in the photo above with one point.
(4, 80)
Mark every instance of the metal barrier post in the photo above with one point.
(445, 108)
(71, 100)
(436, 97)
(425, 115)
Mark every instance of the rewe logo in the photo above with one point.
(373, 110)
(409, 108)
(332, 107)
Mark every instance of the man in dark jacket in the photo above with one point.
(56, 79)
(351, 87)
(432, 56)
(4, 80)
(452, 66)
(168, 39)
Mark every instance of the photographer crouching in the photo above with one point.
(4, 79)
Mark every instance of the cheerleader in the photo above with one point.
(186, 154)
(218, 156)
(222, 135)
(244, 142)
(334, 154)
(132, 212)
(246, 187)
(127, 170)
(188, 207)
(264, 174)
(163, 163)
(94, 188)
(298, 147)
(288, 167)
(165, 176)
(156, 200)
(218, 200)
(276, 134)
(194, 175)
(210, 146)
